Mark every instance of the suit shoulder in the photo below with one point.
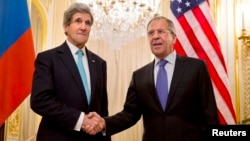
(51, 53)
(51, 50)
(191, 59)
(144, 68)
(95, 56)
(48, 51)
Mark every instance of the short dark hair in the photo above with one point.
(169, 22)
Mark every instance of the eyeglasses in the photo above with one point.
(160, 32)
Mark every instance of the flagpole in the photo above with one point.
(2, 132)
(237, 87)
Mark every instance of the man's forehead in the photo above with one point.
(81, 16)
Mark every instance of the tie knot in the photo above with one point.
(79, 52)
(162, 62)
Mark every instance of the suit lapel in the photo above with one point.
(67, 58)
(92, 71)
(151, 86)
(177, 75)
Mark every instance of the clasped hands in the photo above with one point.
(93, 123)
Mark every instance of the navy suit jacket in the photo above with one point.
(190, 107)
(59, 97)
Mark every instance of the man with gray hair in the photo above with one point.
(173, 94)
(69, 82)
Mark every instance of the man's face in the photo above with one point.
(160, 38)
(79, 29)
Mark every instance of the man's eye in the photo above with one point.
(150, 33)
(161, 31)
(78, 21)
(88, 23)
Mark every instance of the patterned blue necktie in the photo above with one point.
(162, 84)
(83, 74)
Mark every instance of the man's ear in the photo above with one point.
(174, 38)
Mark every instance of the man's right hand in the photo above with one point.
(93, 123)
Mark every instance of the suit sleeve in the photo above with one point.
(44, 100)
(130, 114)
(104, 105)
(208, 101)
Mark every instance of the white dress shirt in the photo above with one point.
(73, 50)
(169, 67)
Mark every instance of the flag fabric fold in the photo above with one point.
(197, 37)
(16, 56)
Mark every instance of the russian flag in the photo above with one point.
(17, 56)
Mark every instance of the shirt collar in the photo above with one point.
(74, 49)
(170, 58)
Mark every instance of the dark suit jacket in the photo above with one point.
(59, 97)
(190, 107)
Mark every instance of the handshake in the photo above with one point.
(93, 123)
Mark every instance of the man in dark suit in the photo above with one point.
(189, 103)
(59, 94)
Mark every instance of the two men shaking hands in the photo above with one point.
(93, 123)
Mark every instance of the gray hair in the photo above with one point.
(74, 8)
(169, 22)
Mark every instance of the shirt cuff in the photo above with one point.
(78, 125)
(104, 132)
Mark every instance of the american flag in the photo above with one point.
(197, 37)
